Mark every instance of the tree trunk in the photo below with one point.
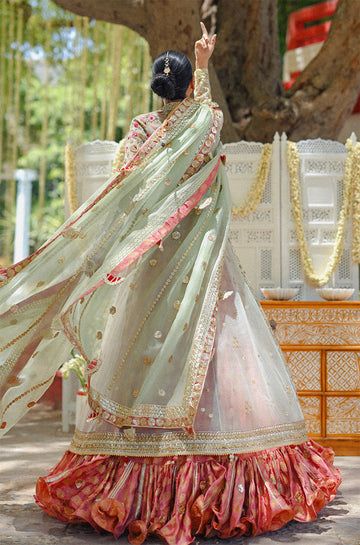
(246, 61)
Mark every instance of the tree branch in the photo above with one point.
(164, 24)
(325, 93)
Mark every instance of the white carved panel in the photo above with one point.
(321, 179)
(265, 241)
(255, 238)
(93, 164)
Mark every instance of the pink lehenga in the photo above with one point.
(192, 425)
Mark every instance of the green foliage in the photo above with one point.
(57, 49)
(53, 217)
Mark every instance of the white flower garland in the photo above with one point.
(119, 155)
(356, 204)
(293, 166)
(70, 178)
(257, 189)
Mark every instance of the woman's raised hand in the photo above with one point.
(204, 47)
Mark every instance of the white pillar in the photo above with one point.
(24, 177)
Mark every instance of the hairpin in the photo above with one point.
(167, 69)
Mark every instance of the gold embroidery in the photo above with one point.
(170, 443)
(38, 320)
(71, 232)
(35, 387)
(183, 414)
(147, 360)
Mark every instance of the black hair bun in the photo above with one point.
(164, 86)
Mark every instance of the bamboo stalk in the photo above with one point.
(45, 125)
(117, 38)
(10, 185)
(95, 108)
(27, 101)
(145, 79)
(3, 36)
(105, 80)
(83, 75)
(77, 107)
(18, 65)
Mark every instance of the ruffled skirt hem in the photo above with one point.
(179, 497)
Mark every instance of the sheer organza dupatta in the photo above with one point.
(131, 280)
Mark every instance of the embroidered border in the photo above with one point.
(179, 442)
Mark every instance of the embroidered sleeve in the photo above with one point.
(202, 90)
(202, 93)
(134, 139)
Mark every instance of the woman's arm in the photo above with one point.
(203, 51)
(202, 89)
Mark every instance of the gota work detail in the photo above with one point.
(179, 442)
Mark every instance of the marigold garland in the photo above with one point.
(297, 210)
(257, 189)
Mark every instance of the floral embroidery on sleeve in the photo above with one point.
(202, 93)
(202, 90)
(134, 139)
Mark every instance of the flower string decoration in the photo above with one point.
(257, 189)
(348, 183)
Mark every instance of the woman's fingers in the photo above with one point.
(204, 31)
(206, 39)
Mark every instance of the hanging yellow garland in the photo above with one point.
(293, 166)
(356, 204)
(257, 189)
(70, 178)
(119, 155)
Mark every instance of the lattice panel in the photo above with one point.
(343, 370)
(311, 407)
(304, 368)
(255, 238)
(321, 180)
(343, 415)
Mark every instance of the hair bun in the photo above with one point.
(163, 85)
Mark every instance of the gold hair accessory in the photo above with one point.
(167, 64)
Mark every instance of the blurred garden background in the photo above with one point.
(70, 78)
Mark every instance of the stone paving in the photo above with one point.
(36, 444)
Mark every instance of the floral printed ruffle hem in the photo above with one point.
(179, 497)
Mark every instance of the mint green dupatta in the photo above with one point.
(131, 280)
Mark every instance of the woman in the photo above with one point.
(193, 425)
